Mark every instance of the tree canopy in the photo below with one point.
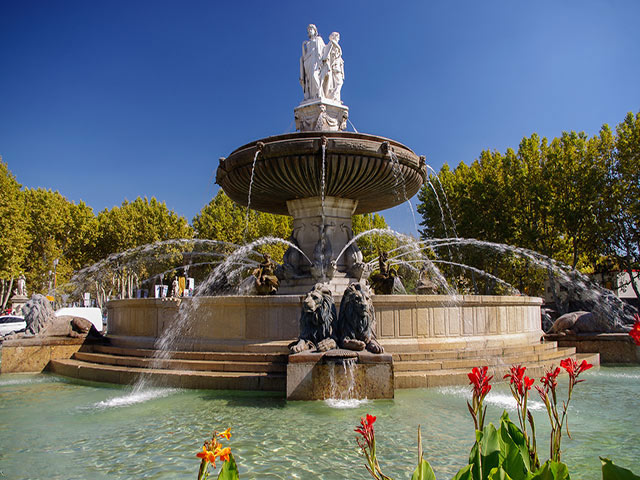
(574, 199)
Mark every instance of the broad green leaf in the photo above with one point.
(513, 449)
(614, 472)
(498, 474)
(464, 473)
(551, 471)
(423, 472)
(485, 451)
(229, 470)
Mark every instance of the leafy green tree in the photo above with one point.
(224, 220)
(622, 200)
(370, 244)
(577, 178)
(63, 236)
(137, 223)
(130, 228)
(14, 235)
(545, 197)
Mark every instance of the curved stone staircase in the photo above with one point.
(263, 368)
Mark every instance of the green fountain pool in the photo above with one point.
(52, 428)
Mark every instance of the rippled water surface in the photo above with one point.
(56, 429)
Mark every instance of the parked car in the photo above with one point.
(11, 323)
(93, 314)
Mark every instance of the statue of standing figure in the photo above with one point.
(21, 287)
(332, 69)
(321, 66)
(311, 62)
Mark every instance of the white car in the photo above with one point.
(11, 323)
(93, 314)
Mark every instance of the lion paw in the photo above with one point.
(301, 346)
(327, 344)
(352, 344)
(374, 347)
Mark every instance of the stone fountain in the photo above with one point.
(320, 176)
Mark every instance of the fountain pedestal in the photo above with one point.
(339, 374)
(321, 229)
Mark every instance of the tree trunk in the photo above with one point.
(5, 299)
(629, 268)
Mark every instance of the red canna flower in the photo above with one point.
(366, 428)
(515, 374)
(549, 379)
(480, 381)
(569, 364)
(573, 369)
(526, 383)
(635, 331)
(518, 379)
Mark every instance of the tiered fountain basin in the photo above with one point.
(358, 167)
(240, 342)
(321, 179)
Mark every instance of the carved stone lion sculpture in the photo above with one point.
(356, 322)
(42, 321)
(317, 321)
(582, 322)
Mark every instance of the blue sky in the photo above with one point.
(104, 101)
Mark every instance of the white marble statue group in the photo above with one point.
(321, 67)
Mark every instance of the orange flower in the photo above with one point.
(223, 453)
(207, 455)
(226, 434)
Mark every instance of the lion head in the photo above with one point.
(37, 313)
(357, 317)
(318, 316)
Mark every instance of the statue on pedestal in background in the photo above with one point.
(21, 287)
(175, 287)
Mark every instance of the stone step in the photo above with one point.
(205, 356)
(180, 364)
(243, 346)
(467, 363)
(465, 353)
(458, 376)
(170, 378)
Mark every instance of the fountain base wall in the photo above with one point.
(269, 323)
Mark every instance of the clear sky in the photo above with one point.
(109, 100)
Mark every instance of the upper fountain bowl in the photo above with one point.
(358, 166)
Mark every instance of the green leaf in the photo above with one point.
(551, 471)
(613, 472)
(513, 449)
(423, 472)
(229, 470)
(498, 474)
(464, 473)
(486, 452)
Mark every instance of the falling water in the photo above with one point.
(323, 237)
(246, 220)
(411, 245)
(446, 201)
(343, 385)
(399, 181)
(611, 308)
